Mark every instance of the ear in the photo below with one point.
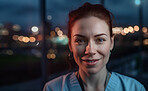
(112, 42)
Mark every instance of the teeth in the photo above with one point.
(90, 61)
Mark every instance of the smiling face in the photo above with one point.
(91, 44)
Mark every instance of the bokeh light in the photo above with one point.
(16, 27)
(136, 28)
(137, 2)
(144, 29)
(15, 37)
(126, 30)
(34, 29)
(136, 43)
(9, 52)
(60, 33)
(117, 30)
(57, 29)
(32, 39)
(145, 42)
(123, 33)
(37, 43)
(20, 38)
(48, 56)
(52, 34)
(130, 28)
(51, 56)
(49, 17)
(39, 37)
(25, 39)
(4, 32)
(51, 51)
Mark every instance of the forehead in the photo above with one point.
(91, 25)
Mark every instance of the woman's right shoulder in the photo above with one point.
(57, 83)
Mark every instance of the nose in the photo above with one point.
(90, 48)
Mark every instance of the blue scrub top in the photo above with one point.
(117, 82)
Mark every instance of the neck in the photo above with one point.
(95, 80)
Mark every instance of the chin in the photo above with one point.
(92, 70)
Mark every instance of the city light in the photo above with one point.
(123, 33)
(145, 42)
(51, 56)
(15, 37)
(52, 34)
(49, 17)
(60, 33)
(39, 37)
(126, 30)
(51, 51)
(130, 28)
(48, 56)
(136, 43)
(16, 27)
(57, 36)
(144, 29)
(37, 43)
(137, 2)
(4, 32)
(57, 29)
(20, 38)
(25, 39)
(34, 29)
(9, 52)
(117, 30)
(136, 28)
(32, 39)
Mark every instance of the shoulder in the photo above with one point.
(128, 83)
(123, 78)
(58, 83)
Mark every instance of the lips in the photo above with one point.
(90, 62)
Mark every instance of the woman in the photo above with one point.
(91, 41)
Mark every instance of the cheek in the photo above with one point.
(105, 49)
(78, 50)
(105, 52)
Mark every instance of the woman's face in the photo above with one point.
(91, 44)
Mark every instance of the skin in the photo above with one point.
(91, 40)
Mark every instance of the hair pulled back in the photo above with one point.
(87, 10)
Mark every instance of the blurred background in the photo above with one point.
(34, 43)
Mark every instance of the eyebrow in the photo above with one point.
(100, 34)
(79, 35)
(94, 36)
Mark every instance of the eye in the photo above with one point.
(99, 40)
(80, 41)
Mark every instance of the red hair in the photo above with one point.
(88, 10)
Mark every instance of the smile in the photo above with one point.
(91, 62)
